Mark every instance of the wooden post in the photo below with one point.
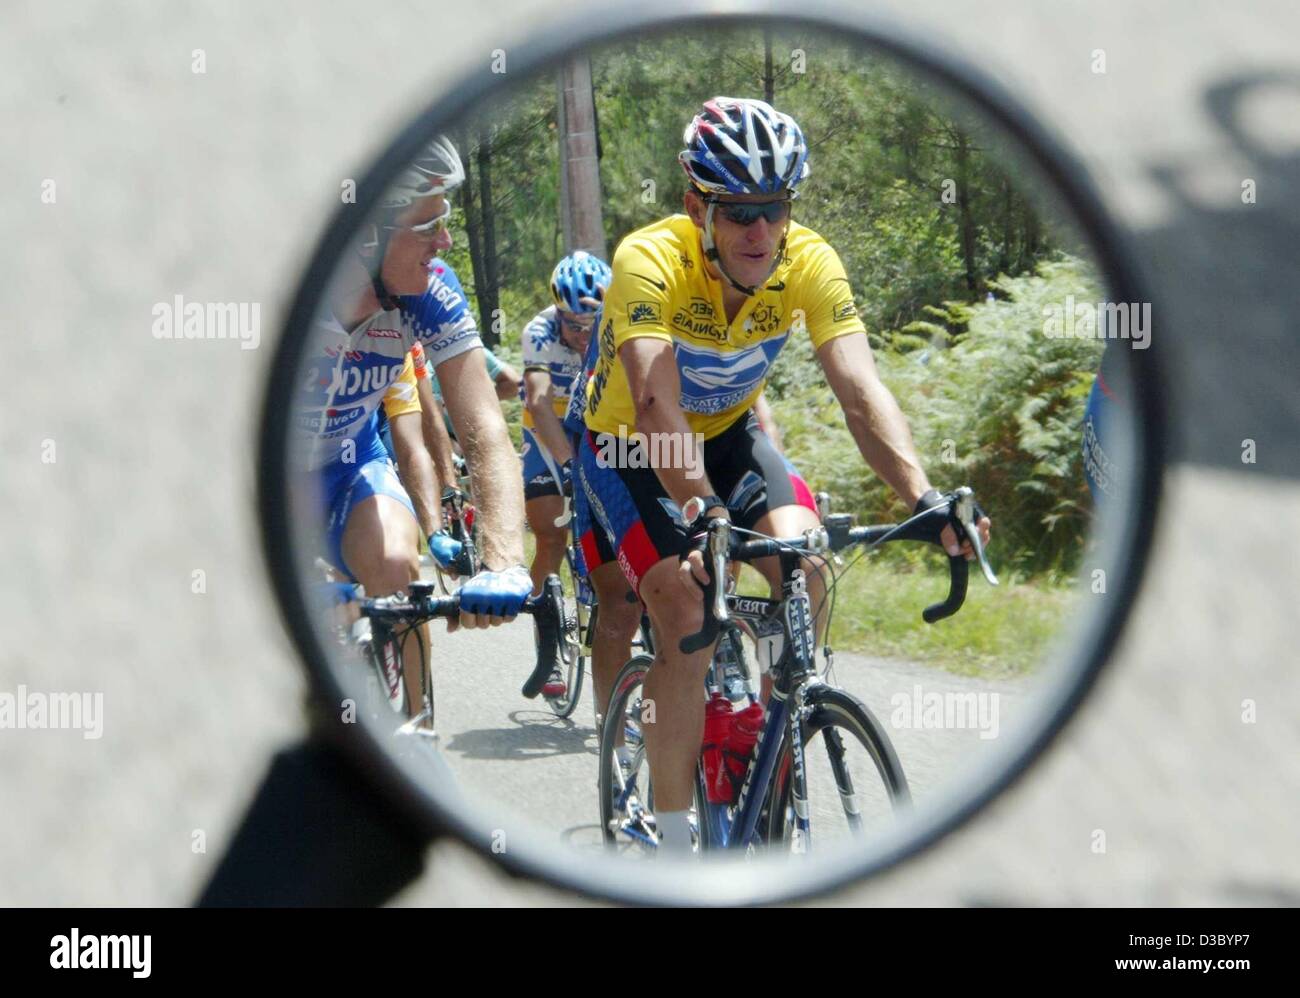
(584, 226)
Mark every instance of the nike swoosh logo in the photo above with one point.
(778, 286)
(658, 284)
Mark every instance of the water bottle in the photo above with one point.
(717, 731)
(746, 725)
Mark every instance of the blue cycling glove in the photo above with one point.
(444, 548)
(497, 594)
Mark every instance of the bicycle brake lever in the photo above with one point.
(548, 608)
(964, 509)
(715, 595)
(719, 548)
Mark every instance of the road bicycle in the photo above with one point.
(814, 755)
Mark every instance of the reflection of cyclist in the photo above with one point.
(553, 345)
(1098, 417)
(381, 303)
(619, 611)
(699, 307)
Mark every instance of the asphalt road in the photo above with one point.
(516, 752)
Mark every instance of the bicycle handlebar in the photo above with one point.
(420, 604)
(957, 509)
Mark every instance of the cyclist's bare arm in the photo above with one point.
(537, 392)
(507, 383)
(416, 469)
(495, 476)
(435, 436)
(878, 425)
(656, 392)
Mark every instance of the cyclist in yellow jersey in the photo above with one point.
(699, 307)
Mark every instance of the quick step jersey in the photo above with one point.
(544, 350)
(346, 376)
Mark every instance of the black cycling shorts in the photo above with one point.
(625, 515)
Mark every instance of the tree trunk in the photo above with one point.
(1008, 212)
(473, 234)
(966, 218)
(489, 285)
(563, 223)
(769, 81)
(1031, 240)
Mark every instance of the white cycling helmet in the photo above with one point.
(436, 170)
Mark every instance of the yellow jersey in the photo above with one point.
(403, 395)
(661, 289)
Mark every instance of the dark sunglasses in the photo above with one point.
(748, 214)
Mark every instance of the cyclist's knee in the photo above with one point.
(677, 607)
(550, 538)
(618, 617)
(388, 571)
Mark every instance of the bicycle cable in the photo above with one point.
(829, 592)
(823, 568)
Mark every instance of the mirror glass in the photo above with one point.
(926, 310)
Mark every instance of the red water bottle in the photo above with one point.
(745, 728)
(717, 730)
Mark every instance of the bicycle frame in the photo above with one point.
(790, 618)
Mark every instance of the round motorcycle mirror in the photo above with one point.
(1005, 315)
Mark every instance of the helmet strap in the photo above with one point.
(375, 266)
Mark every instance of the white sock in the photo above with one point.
(674, 832)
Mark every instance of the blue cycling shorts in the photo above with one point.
(539, 480)
(344, 485)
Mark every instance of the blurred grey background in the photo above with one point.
(216, 186)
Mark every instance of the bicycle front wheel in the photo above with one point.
(854, 783)
(626, 804)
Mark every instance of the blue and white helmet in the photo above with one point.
(579, 275)
(741, 146)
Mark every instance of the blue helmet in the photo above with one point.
(738, 145)
(579, 275)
